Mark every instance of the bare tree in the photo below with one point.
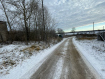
(73, 29)
(10, 18)
(31, 17)
(24, 9)
(4, 9)
(60, 31)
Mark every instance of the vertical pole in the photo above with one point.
(93, 27)
(43, 22)
(103, 33)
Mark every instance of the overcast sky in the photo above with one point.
(76, 13)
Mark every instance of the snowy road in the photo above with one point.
(64, 63)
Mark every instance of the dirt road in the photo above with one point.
(64, 63)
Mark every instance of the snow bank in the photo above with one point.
(25, 69)
(93, 53)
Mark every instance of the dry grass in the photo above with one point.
(32, 48)
(38, 48)
(86, 38)
(8, 62)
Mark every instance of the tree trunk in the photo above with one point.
(25, 23)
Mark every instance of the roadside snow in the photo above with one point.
(94, 52)
(24, 69)
(10, 56)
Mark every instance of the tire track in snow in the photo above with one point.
(58, 69)
(49, 67)
(66, 66)
(60, 64)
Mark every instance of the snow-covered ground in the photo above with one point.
(94, 52)
(21, 61)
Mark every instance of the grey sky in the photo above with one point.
(75, 13)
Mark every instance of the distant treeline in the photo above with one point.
(33, 36)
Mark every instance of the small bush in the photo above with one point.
(9, 62)
(38, 48)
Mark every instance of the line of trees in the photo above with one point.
(29, 17)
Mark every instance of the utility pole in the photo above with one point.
(93, 27)
(104, 33)
(43, 22)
